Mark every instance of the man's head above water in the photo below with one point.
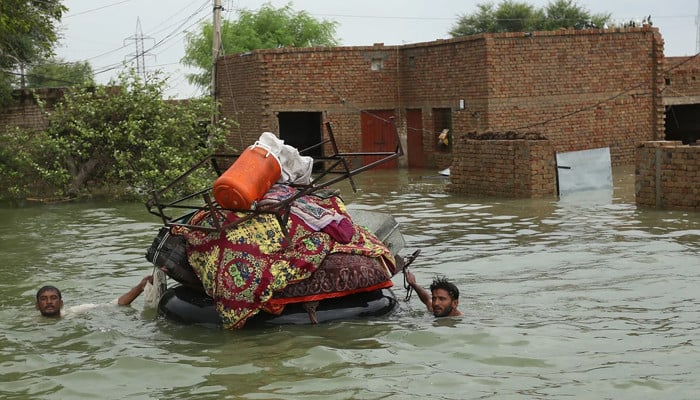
(449, 287)
(49, 301)
(445, 297)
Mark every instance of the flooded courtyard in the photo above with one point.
(587, 296)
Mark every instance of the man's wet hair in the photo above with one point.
(442, 283)
(48, 288)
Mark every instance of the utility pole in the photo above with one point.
(216, 45)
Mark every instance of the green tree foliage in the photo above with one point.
(567, 14)
(515, 16)
(110, 141)
(28, 32)
(59, 73)
(267, 28)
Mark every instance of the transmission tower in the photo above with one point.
(140, 55)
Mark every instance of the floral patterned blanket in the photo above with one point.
(242, 267)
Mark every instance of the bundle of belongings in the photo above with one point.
(256, 266)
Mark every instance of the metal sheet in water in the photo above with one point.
(586, 170)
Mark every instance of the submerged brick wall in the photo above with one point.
(516, 168)
(582, 89)
(435, 76)
(668, 175)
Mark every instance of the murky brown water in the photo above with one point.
(583, 297)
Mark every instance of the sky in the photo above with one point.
(105, 32)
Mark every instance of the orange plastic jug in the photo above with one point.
(247, 179)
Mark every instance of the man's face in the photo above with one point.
(49, 304)
(443, 303)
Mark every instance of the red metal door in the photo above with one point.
(378, 135)
(414, 138)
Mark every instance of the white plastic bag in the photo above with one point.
(152, 293)
(295, 167)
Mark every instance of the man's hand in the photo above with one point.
(132, 294)
(146, 279)
(410, 278)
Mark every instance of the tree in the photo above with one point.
(267, 28)
(28, 32)
(115, 141)
(59, 73)
(566, 14)
(514, 16)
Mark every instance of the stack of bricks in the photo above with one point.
(668, 175)
(511, 168)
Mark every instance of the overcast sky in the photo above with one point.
(103, 32)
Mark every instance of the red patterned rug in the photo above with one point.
(243, 267)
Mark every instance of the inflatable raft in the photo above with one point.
(192, 307)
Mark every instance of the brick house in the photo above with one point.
(580, 89)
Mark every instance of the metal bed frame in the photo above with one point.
(336, 167)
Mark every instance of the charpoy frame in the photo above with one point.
(335, 168)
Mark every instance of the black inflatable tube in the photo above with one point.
(189, 306)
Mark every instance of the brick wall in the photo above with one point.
(439, 74)
(24, 111)
(241, 93)
(581, 89)
(668, 175)
(339, 81)
(515, 168)
(682, 77)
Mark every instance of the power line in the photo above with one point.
(179, 30)
(95, 9)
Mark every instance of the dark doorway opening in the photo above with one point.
(302, 130)
(683, 123)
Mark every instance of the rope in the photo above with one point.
(407, 262)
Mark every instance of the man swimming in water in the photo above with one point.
(49, 300)
(443, 298)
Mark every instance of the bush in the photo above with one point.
(120, 141)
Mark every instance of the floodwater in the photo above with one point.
(584, 297)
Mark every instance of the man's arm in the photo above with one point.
(131, 295)
(424, 295)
